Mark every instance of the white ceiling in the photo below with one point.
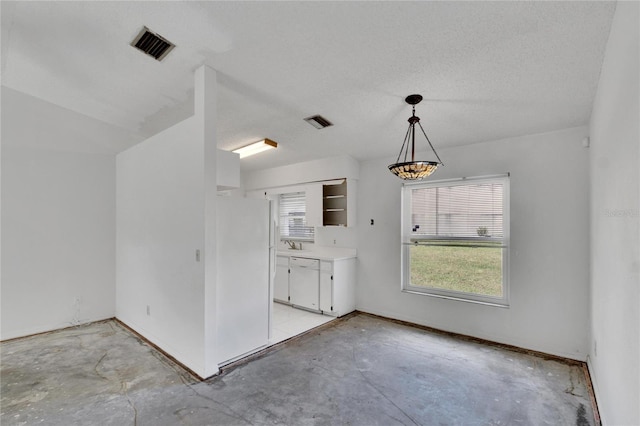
(487, 70)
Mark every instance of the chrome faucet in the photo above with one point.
(292, 245)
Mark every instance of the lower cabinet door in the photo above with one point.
(281, 282)
(326, 286)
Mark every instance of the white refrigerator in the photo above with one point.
(246, 265)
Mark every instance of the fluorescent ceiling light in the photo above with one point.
(256, 147)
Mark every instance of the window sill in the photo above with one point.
(301, 240)
(497, 304)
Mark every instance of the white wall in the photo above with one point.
(615, 230)
(308, 171)
(336, 236)
(58, 216)
(29, 122)
(549, 244)
(205, 118)
(160, 225)
(166, 245)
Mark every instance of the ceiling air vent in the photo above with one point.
(152, 44)
(318, 121)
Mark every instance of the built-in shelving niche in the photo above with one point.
(334, 204)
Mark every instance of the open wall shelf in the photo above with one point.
(334, 204)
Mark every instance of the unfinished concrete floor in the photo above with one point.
(358, 371)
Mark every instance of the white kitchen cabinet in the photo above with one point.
(337, 286)
(334, 204)
(326, 286)
(313, 201)
(339, 203)
(281, 281)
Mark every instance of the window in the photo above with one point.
(293, 222)
(455, 239)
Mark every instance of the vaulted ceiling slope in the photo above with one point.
(487, 70)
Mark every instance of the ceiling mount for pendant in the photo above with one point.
(413, 170)
(413, 99)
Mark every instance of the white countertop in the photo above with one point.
(322, 253)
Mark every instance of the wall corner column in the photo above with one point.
(206, 123)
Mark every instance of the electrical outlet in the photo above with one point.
(148, 310)
(334, 242)
(595, 348)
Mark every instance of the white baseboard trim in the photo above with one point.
(488, 338)
(596, 392)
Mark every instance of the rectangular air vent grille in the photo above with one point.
(318, 121)
(152, 44)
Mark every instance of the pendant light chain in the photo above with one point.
(403, 149)
(412, 124)
(432, 148)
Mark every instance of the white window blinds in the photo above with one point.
(293, 222)
(458, 211)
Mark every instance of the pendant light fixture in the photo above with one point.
(413, 170)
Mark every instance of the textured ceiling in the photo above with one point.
(487, 70)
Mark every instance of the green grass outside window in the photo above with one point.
(464, 269)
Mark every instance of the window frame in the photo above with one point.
(407, 243)
(310, 238)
